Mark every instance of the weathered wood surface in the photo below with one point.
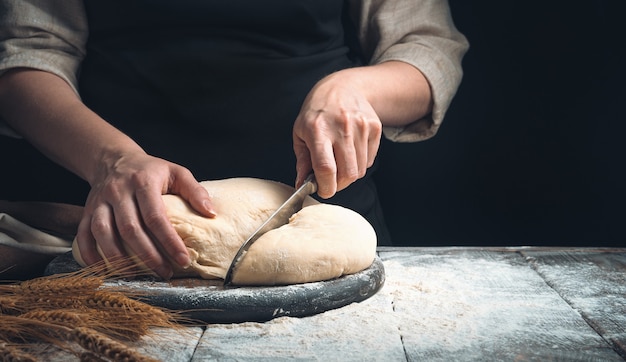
(593, 283)
(442, 304)
(472, 304)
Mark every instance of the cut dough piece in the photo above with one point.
(321, 241)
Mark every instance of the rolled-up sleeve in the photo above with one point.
(48, 35)
(421, 33)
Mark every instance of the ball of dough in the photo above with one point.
(320, 242)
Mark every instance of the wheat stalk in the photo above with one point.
(9, 353)
(9, 305)
(55, 328)
(71, 285)
(88, 356)
(105, 346)
(77, 306)
(58, 317)
(15, 328)
(108, 312)
(107, 300)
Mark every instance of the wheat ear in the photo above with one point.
(68, 285)
(125, 327)
(9, 305)
(57, 317)
(8, 353)
(116, 301)
(76, 307)
(105, 346)
(90, 357)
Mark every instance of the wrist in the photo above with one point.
(397, 91)
(110, 159)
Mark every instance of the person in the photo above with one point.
(142, 98)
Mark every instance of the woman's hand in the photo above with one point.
(125, 215)
(337, 133)
(124, 212)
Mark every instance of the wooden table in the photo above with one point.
(443, 304)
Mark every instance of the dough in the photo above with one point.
(321, 241)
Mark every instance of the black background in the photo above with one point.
(532, 149)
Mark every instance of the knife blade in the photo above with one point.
(278, 218)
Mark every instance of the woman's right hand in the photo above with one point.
(125, 215)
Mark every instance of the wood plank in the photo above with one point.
(472, 304)
(171, 345)
(593, 282)
(437, 304)
(364, 331)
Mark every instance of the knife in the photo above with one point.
(278, 218)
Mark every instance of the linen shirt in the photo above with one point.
(51, 35)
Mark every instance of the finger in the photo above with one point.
(361, 149)
(346, 155)
(105, 234)
(198, 197)
(373, 146)
(154, 216)
(361, 154)
(303, 161)
(86, 242)
(325, 168)
(138, 239)
(373, 142)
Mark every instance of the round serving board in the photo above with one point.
(212, 302)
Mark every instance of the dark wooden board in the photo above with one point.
(211, 302)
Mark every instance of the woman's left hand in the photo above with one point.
(338, 131)
(337, 135)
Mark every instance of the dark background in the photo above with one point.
(532, 149)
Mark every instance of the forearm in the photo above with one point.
(44, 109)
(398, 92)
